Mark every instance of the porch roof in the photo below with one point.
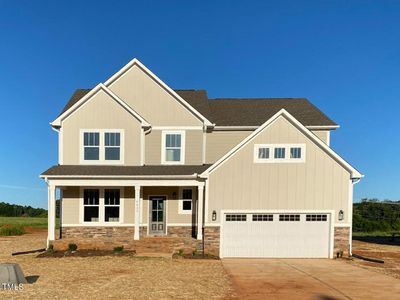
(155, 170)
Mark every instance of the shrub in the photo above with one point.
(12, 230)
(119, 249)
(194, 253)
(180, 252)
(50, 249)
(72, 247)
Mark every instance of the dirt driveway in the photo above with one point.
(308, 279)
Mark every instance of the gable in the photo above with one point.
(152, 100)
(285, 138)
(100, 112)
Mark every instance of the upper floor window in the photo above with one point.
(273, 153)
(173, 147)
(103, 146)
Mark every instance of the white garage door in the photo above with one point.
(282, 235)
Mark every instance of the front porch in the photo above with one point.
(146, 215)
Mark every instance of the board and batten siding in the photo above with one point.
(218, 143)
(322, 135)
(151, 101)
(193, 147)
(100, 112)
(319, 183)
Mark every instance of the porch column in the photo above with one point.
(51, 214)
(137, 212)
(200, 203)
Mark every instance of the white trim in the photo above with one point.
(102, 147)
(204, 147)
(207, 196)
(137, 191)
(180, 224)
(51, 216)
(323, 127)
(212, 225)
(272, 158)
(283, 113)
(100, 225)
(342, 225)
(200, 212)
(177, 127)
(180, 201)
(101, 206)
(123, 182)
(118, 176)
(135, 61)
(247, 211)
(57, 122)
(328, 138)
(350, 216)
(182, 133)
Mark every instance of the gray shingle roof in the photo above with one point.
(80, 170)
(242, 111)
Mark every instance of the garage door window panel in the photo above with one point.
(236, 218)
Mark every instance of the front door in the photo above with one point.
(157, 214)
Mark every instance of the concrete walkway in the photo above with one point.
(308, 279)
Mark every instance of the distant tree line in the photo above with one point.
(373, 215)
(13, 210)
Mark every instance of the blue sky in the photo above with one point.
(342, 55)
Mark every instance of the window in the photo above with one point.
(279, 152)
(263, 153)
(111, 205)
(289, 218)
(186, 201)
(91, 143)
(102, 146)
(112, 145)
(316, 218)
(263, 217)
(236, 218)
(91, 205)
(173, 147)
(295, 152)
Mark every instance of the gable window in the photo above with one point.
(91, 205)
(102, 146)
(279, 153)
(173, 143)
(112, 145)
(91, 143)
(185, 205)
(111, 205)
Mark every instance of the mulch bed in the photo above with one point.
(85, 253)
(196, 256)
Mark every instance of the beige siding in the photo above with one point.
(151, 101)
(193, 147)
(218, 143)
(70, 205)
(322, 135)
(101, 112)
(319, 183)
(129, 205)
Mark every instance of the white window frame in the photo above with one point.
(101, 221)
(102, 147)
(272, 158)
(181, 211)
(163, 147)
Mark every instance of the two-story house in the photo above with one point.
(252, 177)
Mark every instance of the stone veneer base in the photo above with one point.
(341, 241)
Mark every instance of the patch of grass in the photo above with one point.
(11, 230)
(372, 234)
(25, 222)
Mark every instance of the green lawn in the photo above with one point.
(372, 233)
(25, 222)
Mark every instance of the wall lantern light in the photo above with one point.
(341, 215)
(214, 215)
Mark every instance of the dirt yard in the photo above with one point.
(112, 277)
(389, 253)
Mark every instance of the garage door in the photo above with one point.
(282, 235)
